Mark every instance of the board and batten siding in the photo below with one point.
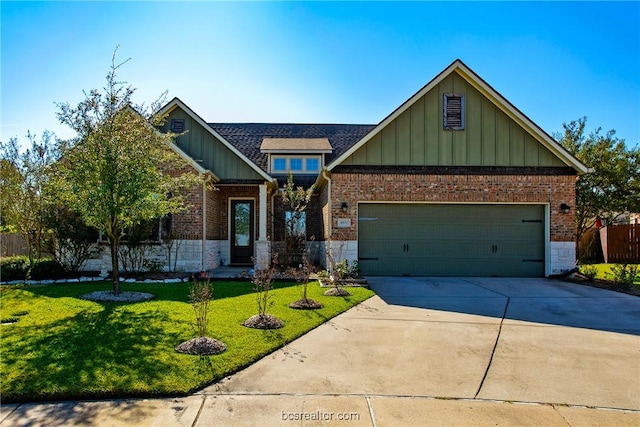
(417, 138)
(200, 144)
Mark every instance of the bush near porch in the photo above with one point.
(55, 346)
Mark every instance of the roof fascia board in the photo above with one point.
(501, 102)
(176, 102)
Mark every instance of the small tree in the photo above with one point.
(200, 296)
(26, 191)
(113, 173)
(335, 274)
(263, 282)
(302, 275)
(296, 200)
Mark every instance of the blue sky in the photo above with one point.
(321, 62)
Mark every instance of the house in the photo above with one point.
(455, 182)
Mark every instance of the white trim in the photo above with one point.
(262, 222)
(175, 102)
(501, 102)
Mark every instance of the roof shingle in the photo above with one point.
(247, 137)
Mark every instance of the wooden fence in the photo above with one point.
(12, 244)
(621, 243)
(589, 247)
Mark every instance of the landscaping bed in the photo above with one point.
(603, 276)
(56, 346)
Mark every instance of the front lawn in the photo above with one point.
(55, 346)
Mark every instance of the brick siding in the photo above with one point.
(552, 189)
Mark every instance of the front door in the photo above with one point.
(242, 231)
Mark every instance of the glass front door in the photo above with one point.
(242, 231)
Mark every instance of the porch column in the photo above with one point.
(262, 230)
(263, 246)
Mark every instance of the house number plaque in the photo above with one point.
(344, 222)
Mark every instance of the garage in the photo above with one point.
(481, 240)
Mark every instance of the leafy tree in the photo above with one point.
(115, 173)
(26, 189)
(614, 185)
(296, 200)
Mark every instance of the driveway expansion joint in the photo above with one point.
(371, 414)
(495, 345)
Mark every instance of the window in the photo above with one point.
(177, 125)
(295, 224)
(453, 112)
(313, 165)
(296, 164)
(279, 164)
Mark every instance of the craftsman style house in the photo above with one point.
(455, 182)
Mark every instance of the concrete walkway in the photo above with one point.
(423, 352)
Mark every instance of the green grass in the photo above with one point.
(61, 347)
(604, 272)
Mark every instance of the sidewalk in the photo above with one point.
(309, 410)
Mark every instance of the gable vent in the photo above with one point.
(177, 125)
(453, 114)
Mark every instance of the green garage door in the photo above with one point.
(451, 240)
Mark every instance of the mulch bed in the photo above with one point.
(603, 284)
(109, 296)
(265, 321)
(305, 304)
(201, 346)
(337, 292)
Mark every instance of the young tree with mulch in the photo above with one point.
(302, 274)
(263, 283)
(200, 296)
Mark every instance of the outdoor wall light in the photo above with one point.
(344, 206)
(564, 208)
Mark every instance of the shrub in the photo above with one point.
(46, 268)
(347, 270)
(624, 274)
(589, 270)
(14, 268)
(200, 296)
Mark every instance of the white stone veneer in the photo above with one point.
(563, 257)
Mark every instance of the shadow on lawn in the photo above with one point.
(89, 355)
(163, 291)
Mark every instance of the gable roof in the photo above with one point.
(176, 102)
(486, 90)
(247, 137)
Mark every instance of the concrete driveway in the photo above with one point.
(424, 351)
(488, 339)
